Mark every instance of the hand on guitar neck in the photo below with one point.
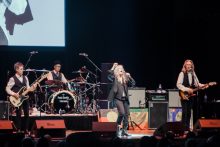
(33, 87)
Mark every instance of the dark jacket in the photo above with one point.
(118, 88)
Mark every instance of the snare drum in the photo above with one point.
(62, 100)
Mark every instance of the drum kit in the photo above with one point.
(67, 98)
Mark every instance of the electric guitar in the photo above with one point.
(17, 102)
(184, 95)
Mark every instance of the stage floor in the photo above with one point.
(80, 123)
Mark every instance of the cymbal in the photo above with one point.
(79, 71)
(36, 70)
(53, 82)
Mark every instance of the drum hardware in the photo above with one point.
(93, 106)
(95, 75)
(45, 107)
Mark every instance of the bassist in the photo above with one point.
(14, 84)
(187, 80)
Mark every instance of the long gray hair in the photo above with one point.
(184, 65)
(117, 72)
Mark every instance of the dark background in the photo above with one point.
(151, 38)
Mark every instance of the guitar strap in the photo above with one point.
(193, 81)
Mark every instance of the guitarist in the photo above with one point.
(14, 84)
(187, 80)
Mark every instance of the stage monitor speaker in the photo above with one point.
(137, 97)
(6, 126)
(207, 127)
(105, 129)
(207, 124)
(55, 128)
(158, 113)
(176, 128)
(4, 110)
(174, 98)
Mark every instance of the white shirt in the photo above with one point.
(50, 77)
(180, 85)
(11, 83)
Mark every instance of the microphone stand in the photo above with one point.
(197, 93)
(96, 77)
(26, 64)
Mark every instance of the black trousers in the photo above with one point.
(123, 112)
(187, 106)
(19, 123)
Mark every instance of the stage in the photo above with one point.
(75, 123)
(72, 121)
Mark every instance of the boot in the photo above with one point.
(118, 131)
(125, 131)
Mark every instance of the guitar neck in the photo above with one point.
(36, 81)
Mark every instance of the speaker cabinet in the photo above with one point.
(207, 127)
(137, 97)
(176, 128)
(207, 124)
(104, 129)
(106, 83)
(6, 126)
(55, 128)
(158, 113)
(104, 126)
(4, 110)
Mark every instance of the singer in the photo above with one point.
(119, 93)
(187, 80)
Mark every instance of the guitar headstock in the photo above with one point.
(212, 83)
(43, 76)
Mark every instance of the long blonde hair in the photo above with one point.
(117, 74)
(184, 65)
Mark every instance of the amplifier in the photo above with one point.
(137, 97)
(155, 95)
(4, 110)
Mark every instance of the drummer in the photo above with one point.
(55, 77)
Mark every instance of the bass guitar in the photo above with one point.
(17, 102)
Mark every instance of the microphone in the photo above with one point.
(83, 54)
(33, 52)
(83, 68)
(191, 70)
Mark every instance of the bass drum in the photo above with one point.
(62, 100)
